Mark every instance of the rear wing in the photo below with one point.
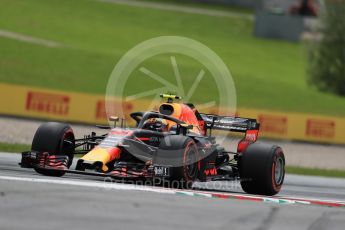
(227, 123)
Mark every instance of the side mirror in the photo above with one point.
(114, 119)
(183, 128)
(186, 126)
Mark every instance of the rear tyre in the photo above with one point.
(56, 139)
(262, 169)
(181, 153)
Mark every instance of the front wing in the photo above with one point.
(45, 161)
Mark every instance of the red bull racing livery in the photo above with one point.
(173, 147)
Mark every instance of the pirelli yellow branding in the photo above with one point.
(298, 126)
(41, 103)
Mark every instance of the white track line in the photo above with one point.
(106, 185)
(182, 9)
(311, 199)
(129, 187)
(29, 39)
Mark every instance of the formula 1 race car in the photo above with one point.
(172, 147)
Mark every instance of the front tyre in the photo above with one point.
(262, 169)
(56, 139)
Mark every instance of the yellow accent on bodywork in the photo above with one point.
(170, 96)
(98, 154)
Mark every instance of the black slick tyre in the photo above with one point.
(262, 169)
(56, 139)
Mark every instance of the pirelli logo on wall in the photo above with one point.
(88, 108)
(100, 110)
(320, 128)
(273, 124)
(101, 113)
(48, 103)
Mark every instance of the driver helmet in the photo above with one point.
(156, 124)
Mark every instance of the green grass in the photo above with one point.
(315, 172)
(204, 5)
(268, 74)
(14, 148)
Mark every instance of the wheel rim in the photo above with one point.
(279, 170)
(191, 163)
(66, 148)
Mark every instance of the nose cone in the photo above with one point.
(102, 155)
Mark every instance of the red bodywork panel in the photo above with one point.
(186, 114)
(250, 137)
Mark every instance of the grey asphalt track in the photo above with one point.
(39, 204)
